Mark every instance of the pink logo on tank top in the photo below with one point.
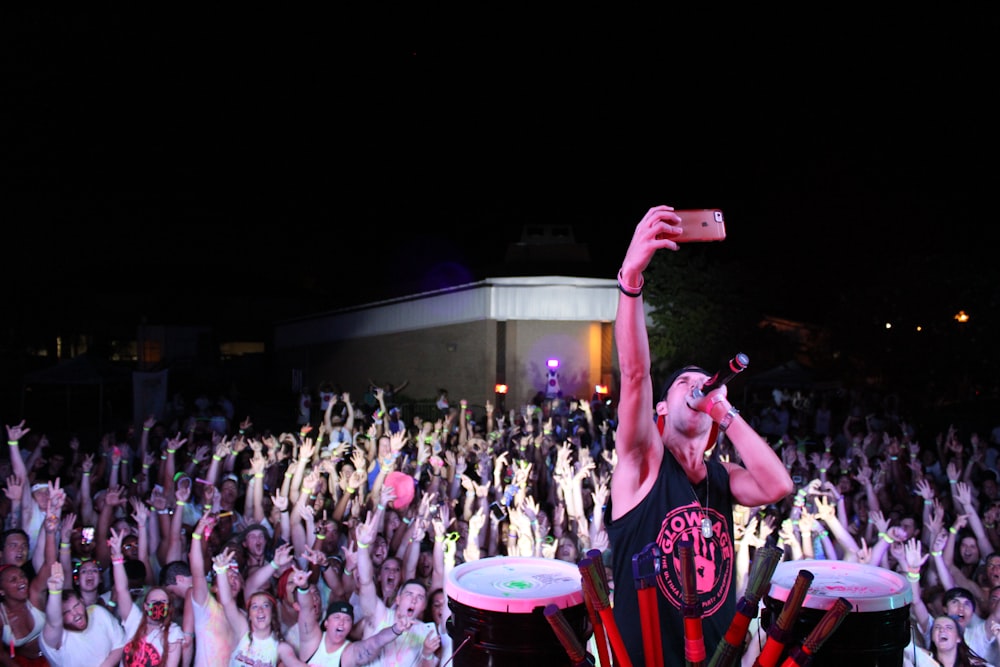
(713, 556)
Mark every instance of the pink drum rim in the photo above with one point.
(515, 585)
(869, 588)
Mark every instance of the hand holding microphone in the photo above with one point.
(713, 392)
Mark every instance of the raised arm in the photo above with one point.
(371, 606)
(52, 632)
(237, 621)
(310, 632)
(196, 558)
(123, 598)
(638, 443)
(140, 514)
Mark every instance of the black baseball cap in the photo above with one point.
(340, 607)
(672, 378)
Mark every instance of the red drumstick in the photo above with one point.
(694, 640)
(602, 603)
(834, 616)
(781, 630)
(765, 561)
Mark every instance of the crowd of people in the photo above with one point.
(191, 546)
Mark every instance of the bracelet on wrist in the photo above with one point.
(936, 553)
(216, 457)
(64, 545)
(628, 290)
(274, 565)
(54, 592)
(195, 536)
(146, 428)
(913, 576)
(728, 418)
(118, 561)
(12, 443)
(220, 569)
(393, 628)
(952, 530)
(302, 590)
(363, 545)
(86, 474)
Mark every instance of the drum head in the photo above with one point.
(869, 588)
(515, 585)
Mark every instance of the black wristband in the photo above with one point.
(627, 292)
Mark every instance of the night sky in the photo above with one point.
(165, 168)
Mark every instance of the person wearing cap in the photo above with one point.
(327, 643)
(664, 490)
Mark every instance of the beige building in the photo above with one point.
(466, 339)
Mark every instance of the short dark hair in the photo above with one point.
(172, 570)
(959, 593)
(13, 531)
(413, 581)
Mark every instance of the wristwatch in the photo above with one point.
(727, 419)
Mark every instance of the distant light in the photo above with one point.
(888, 325)
(500, 388)
(919, 328)
(552, 363)
(601, 389)
(962, 316)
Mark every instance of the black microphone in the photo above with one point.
(737, 365)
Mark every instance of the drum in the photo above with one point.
(498, 606)
(874, 632)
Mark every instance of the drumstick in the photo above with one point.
(596, 556)
(600, 636)
(834, 616)
(645, 568)
(780, 631)
(564, 633)
(602, 603)
(694, 640)
(765, 561)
